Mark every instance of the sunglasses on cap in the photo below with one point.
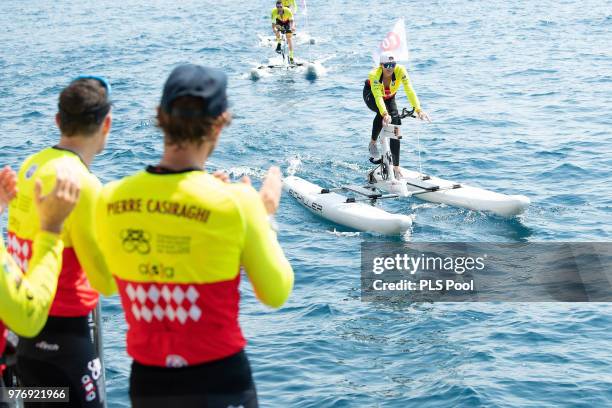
(101, 111)
(103, 81)
(389, 65)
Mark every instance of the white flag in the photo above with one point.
(395, 41)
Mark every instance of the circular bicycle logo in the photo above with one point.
(136, 240)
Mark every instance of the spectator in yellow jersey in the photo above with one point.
(283, 23)
(176, 238)
(25, 300)
(84, 120)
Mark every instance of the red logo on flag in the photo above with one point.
(391, 42)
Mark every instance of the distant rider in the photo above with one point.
(379, 95)
(282, 22)
(292, 5)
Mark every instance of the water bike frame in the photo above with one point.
(385, 162)
(284, 52)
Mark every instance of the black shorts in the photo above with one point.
(285, 27)
(221, 383)
(63, 355)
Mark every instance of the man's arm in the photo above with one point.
(377, 91)
(273, 17)
(262, 257)
(85, 242)
(410, 93)
(25, 300)
(290, 18)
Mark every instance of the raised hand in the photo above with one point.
(8, 187)
(55, 207)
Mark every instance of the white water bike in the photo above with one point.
(284, 52)
(358, 210)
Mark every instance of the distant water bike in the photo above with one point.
(284, 52)
(358, 210)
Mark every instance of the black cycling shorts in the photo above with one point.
(63, 355)
(222, 383)
(285, 26)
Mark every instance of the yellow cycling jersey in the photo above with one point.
(291, 4)
(84, 269)
(400, 77)
(25, 300)
(175, 242)
(277, 18)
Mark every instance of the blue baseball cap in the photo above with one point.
(202, 82)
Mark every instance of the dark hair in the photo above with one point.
(83, 105)
(186, 124)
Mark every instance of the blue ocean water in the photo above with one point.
(520, 96)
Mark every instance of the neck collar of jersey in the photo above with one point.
(64, 149)
(165, 170)
(382, 75)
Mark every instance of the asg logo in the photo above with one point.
(136, 240)
(154, 269)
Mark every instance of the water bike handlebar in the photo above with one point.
(407, 113)
(392, 131)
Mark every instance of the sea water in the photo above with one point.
(519, 94)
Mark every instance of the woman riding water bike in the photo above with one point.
(379, 95)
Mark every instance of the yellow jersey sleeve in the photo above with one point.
(25, 300)
(288, 14)
(262, 257)
(85, 241)
(291, 4)
(377, 88)
(402, 75)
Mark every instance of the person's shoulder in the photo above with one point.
(129, 183)
(35, 161)
(374, 73)
(401, 69)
